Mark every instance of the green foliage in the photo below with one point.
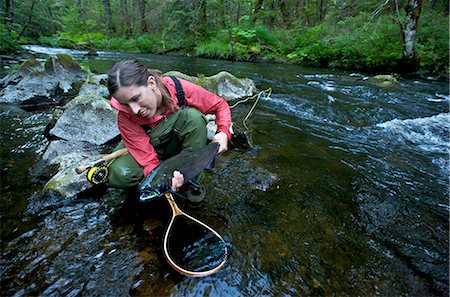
(355, 42)
(7, 41)
(214, 49)
(346, 34)
(71, 21)
(432, 44)
(249, 43)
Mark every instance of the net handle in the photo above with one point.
(176, 211)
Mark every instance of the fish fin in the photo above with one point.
(187, 150)
(211, 164)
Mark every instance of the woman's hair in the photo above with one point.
(131, 72)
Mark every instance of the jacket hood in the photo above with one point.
(116, 105)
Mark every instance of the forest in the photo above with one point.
(410, 36)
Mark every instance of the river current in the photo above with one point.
(344, 192)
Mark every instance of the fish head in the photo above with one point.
(152, 187)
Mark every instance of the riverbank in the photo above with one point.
(12, 60)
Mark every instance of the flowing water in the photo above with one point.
(345, 192)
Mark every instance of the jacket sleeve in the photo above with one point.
(138, 143)
(208, 103)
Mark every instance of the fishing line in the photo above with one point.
(268, 92)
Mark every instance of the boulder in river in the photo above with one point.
(87, 118)
(35, 84)
(386, 80)
(96, 84)
(224, 84)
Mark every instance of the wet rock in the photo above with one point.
(28, 67)
(40, 87)
(240, 177)
(223, 84)
(92, 53)
(61, 64)
(228, 86)
(61, 154)
(87, 118)
(100, 90)
(96, 84)
(62, 187)
(261, 179)
(35, 84)
(211, 127)
(192, 79)
(87, 122)
(386, 80)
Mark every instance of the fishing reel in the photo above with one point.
(98, 174)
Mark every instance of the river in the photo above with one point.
(344, 192)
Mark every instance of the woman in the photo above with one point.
(155, 123)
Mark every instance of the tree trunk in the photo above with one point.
(228, 26)
(271, 19)
(321, 11)
(299, 8)
(125, 24)
(203, 21)
(413, 9)
(108, 19)
(142, 14)
(30, 16)
(9, 15)
(284, 14)
(238, 13)
(257, 8)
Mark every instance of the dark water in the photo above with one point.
(344, 193)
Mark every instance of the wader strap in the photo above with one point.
(180, 97)
(179, 89)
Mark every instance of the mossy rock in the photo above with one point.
(63, 62)
(181, 75)
(228, 86)
(386, 80)
(223, 84)
(30, 66)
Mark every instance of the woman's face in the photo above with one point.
(141, 100)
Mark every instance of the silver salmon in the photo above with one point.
(189, 162)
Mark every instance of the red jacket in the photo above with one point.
(138, 142)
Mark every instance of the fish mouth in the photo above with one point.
(149, 195)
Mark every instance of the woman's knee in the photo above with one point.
(124, 172)
(191, 128)
(193, 118)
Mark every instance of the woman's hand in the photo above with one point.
(222, 139)
(177, 181)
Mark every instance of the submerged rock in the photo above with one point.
(73, 251)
